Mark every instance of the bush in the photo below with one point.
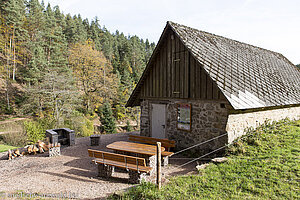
(35, 130)
(82, 126)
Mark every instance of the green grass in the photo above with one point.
(264, 164)
(4, 147)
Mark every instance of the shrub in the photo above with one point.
(35, 130)
(82, 126)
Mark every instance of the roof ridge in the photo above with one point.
(215, 35)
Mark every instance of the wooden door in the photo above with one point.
(158, 120)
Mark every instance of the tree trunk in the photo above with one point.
(14, 56)
(7, 79)
(10, 46)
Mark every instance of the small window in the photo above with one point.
(222, 105)
(184, 116)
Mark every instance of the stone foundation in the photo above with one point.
(136, 177)
(105, 171)
(238, 123)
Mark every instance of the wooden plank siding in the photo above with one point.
(176, 74)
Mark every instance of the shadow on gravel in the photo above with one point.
(83, 173)
(93, 175)
(68, 177)
(80, 163)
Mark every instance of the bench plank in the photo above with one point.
(149, 140)
(166, 153)
(119, 160)
(123, 165)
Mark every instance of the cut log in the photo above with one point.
(9, 155)
(35, 149)
(17, 152)
(30, 149)
(42, 146)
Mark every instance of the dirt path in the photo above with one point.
(72, 173)
(12, 120)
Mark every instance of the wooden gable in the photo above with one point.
(174, 73)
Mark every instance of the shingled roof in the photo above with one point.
(248, 76)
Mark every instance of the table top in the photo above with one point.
(132, 147)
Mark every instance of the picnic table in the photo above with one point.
(137, 149)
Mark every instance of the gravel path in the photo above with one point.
(72, 173)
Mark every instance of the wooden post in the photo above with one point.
(158, 165)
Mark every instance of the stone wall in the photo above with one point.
(208, 121)
(145, 119)
(237, 123)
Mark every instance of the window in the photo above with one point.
(184, 116)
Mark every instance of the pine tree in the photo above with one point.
(13, 12)
(34, 69)
(106, 118)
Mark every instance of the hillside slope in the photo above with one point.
(264, 164)
(16, 94)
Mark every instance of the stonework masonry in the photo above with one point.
(210, 119)
(145, 119)
(238, 123)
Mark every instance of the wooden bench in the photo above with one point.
(107, 161)
(167, 144)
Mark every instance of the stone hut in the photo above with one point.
(198, 86)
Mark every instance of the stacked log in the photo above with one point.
(39, 147)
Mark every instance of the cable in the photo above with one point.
(199, 144)
(202, 156)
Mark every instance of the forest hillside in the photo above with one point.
(61, 68)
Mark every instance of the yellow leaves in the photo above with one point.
(93, 72)
(130, 69)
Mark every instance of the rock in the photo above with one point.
(219, 160)
(203, 166)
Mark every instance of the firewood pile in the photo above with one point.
(39, 147)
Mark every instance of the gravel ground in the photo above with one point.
(72, 173)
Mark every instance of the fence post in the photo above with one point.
(158, 164)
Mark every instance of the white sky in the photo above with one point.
(270, 24)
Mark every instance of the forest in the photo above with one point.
(63, 70)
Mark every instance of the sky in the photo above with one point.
(270, 24)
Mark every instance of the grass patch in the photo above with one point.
(264, 164)
(4, 147)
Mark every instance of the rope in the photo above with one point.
(200, 144)
(209, 152)
(202, 156)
